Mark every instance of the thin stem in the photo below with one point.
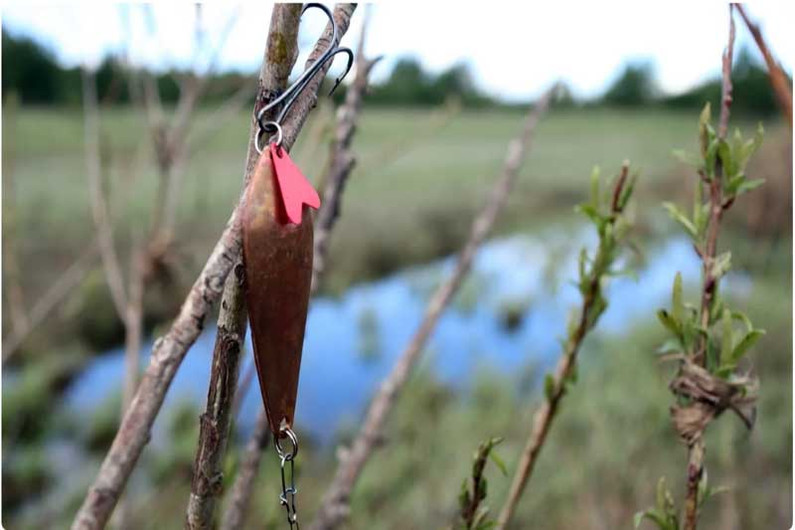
(778, 79)
(341, 160)
(99, 203)
(240, 496)
(55, 294)
(697, 448)
(215, 421)
(589, 313)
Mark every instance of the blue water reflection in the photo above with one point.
(337, 380)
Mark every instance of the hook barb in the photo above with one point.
(289, 96)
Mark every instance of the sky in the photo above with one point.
(515, 50)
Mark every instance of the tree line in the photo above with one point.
(32, 71)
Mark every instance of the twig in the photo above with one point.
(64, 285)
(556, 386)
(334, 508)
(170, 350)
(214, 428)
(225, 111)
(472, 512)
(170, 139)
(11, 271)
(341, 160)
(696, 448)
(167, 354)
(99, 205)
(778, 79)
(215, 421)
(239, 497)
(241, 492)
(133, 325)
(726, 85)
(128, 303)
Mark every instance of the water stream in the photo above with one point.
(510, 312)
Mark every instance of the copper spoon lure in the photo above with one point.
(277, 258)
(277, 255)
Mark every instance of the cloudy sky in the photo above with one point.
(514, 50)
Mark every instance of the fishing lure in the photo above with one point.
(277, 258)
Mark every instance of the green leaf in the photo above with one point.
(463, 495)
(716, 307)
(703, 128)
(727, 160)
(725, 371)
(591, 213)
(595, 187)
(498, 462)
(746, 344)
(699, 211)
(721, 265)
(654, 516)
(662, 491)
(678, 216)
(705, 491)
(581, 263)
(599, 307)
(748, 185)
(677, 306)
(573, 374)
(738, 315)
(670, 322)
(734, 183)
(713, 356)
(754, 143)
(727, 340)
(626, 193)
(549, 386)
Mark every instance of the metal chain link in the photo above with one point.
(287, 496)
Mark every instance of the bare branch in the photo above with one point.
(99, 205)
(12, 278)
(167, 354)
(214, 429)
(225, 111)
(237, 507)
(341, 160)
(334, 508)
(71, 278)
(215, 421)
(778, 79)
(726, 84)
(134, 328)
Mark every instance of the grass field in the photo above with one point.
(420, 175)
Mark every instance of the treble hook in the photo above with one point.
(291, 93)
